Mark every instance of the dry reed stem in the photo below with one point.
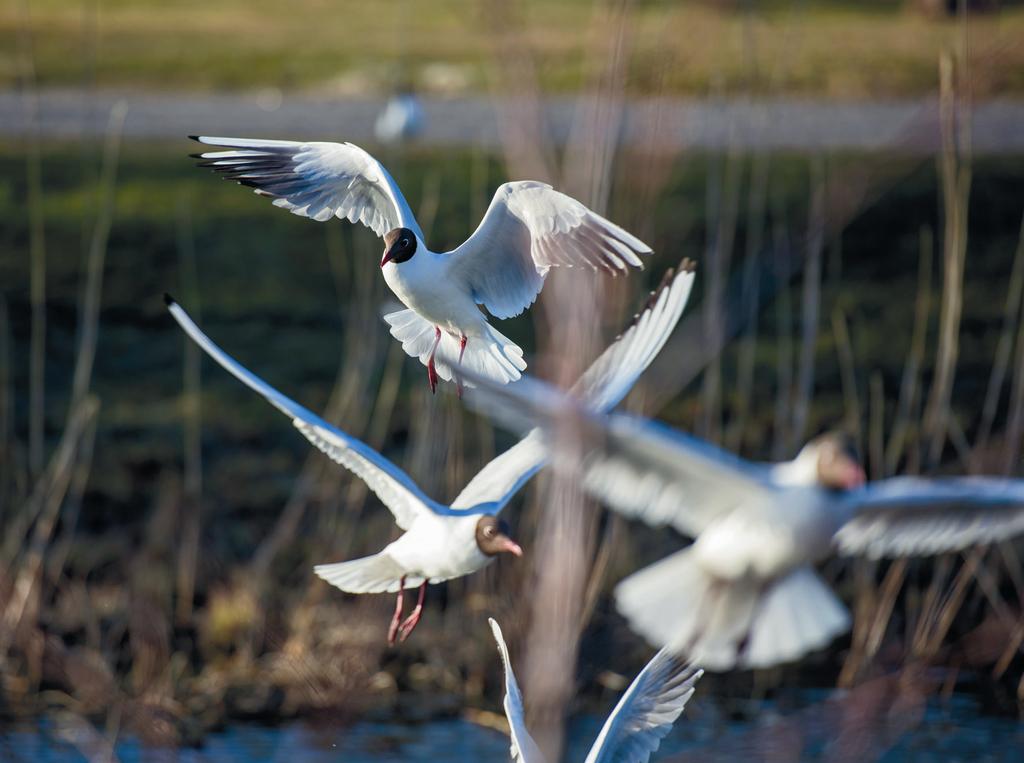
(847, 373)
(1015, 414)
(37, 250)
(784, 348)
(1011, 317)
(955, 174)
(57, 555)
(7, 443)
(44, 508)
(566, 531)
(525, 138)
(876, 426)
(937, 617)
(910, 382)
(750, 299)
(191, 509)
(810, 306)
(88, 322)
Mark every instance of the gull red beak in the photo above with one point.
(509, 546)
(386, 259)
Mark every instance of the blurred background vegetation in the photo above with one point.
(160, 523)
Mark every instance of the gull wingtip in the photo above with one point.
(169, 300)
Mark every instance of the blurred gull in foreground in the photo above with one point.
(528, 229)
(635, 728)
(441, 541)
(745, 594)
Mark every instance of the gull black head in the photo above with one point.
(492, 537)
(839, 467)
(400, 246)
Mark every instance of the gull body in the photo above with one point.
(528, 228)
(426, 284)
(744, 594)
(437, 547)
(445, 541)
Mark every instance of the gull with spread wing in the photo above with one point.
(442, 542)
(528, 229)
(744, 594)
(635, 728)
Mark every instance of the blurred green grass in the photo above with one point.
(832, 49)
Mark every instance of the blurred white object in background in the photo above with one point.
(401, 120)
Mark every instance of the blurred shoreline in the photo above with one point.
(793, 124)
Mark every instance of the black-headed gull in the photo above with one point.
(442, 542)
(635, 728)
(528, 229)
(744, 594)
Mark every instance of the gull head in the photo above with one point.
(400, 246)
(838, 467)
(492, 537)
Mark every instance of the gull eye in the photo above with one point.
(404, 242)
(489, 532)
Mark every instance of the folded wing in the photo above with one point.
(913, 516)
(646, 712)
(393, 486)
(528, 229)
(318, 180)
(523, 749)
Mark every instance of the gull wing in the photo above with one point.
(392, 485)
(528, 229)
(602, 386)
(912, 516)
(647, 711)
(523, 749)
(637, 467)
(318, 180)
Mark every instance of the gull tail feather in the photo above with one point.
(492, 355)
(797, 614)
(371, 574)
(727, 624)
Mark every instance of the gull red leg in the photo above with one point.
(431, 371)
(399, 606)
(462, 351)
(414, 618)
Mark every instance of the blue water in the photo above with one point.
(949, 731)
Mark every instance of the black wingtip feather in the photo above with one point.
(195, 138)
(169, 300)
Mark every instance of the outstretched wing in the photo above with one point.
(316, 180)
(528, 228)
(393, 486)
(646, 712)
(523, 748)
(914, 516)
(602, 386)
(610, 378)
(637, 467)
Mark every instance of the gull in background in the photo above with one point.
(744, 594)
(528, 229)
(635, 728)
(441, 541)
